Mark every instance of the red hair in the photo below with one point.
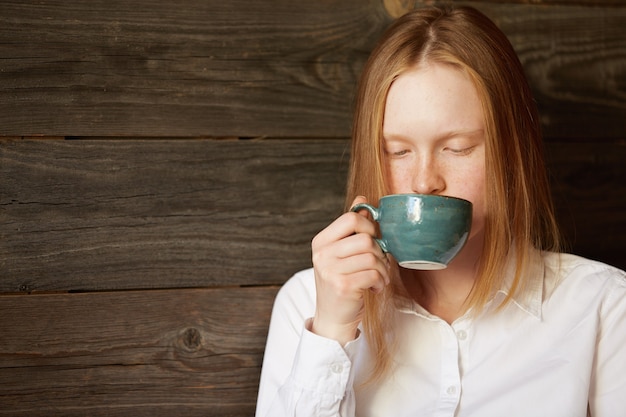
(519, 204)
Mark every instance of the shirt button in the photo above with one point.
(336, 368)
(461, 334)
(451, 390)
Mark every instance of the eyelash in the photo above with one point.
(458, 152)
(461, 152)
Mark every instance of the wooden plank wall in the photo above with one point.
(164, 166)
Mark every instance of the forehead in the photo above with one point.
(432, 98)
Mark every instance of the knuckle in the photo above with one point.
(365, 241)
(343, 287)
(374, 275)
(315, 242)
(352, 219)
(319, 257)
(315, 257)
(374, 246)
(370, 261)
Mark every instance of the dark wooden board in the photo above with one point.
(589, 187)
(248, 69)
(186, 68)
(593, 3)
(78, 215)
(101, 215)
(575, 60)
(195, 352)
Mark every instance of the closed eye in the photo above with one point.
(460, 151)
(396, 153)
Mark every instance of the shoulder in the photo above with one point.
(564, 265)
(585, 277)
(300, 285)
(297, 295)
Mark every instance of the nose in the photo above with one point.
(427, 177)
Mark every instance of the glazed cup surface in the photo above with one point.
(421, 231)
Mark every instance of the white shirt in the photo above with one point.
(558, 349)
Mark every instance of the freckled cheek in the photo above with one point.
(466, 179)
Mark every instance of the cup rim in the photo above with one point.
(416, 195)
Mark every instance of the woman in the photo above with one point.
(511, 327)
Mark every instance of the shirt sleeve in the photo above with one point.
(303, 374)
(608, 388)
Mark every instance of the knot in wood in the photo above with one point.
(192, 339)
(24, 288)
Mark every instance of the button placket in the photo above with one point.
(450, 373)
(462, 333)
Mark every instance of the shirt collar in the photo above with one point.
(529, 293)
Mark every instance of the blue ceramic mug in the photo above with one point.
(421, 231)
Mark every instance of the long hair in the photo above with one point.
(519, 208)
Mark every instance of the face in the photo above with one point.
(434, 137)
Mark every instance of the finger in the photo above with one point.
(366, 271)
(334, 269)
(356, 244)
(330, 257)
(346, 225)
(347, 290)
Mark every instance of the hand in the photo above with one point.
(347, 263)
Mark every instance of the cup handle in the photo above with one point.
(364, 206)
(375, 215)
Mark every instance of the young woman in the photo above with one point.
(512, 327)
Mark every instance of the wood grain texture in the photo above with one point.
(129, 254)
(102, 215)
(249, 69)
(188, 68)
(589, 188)
(97, 215)
(194, 352)
(575, 60)
(592, 3)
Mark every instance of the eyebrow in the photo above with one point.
(455, 133)
(440, 137)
